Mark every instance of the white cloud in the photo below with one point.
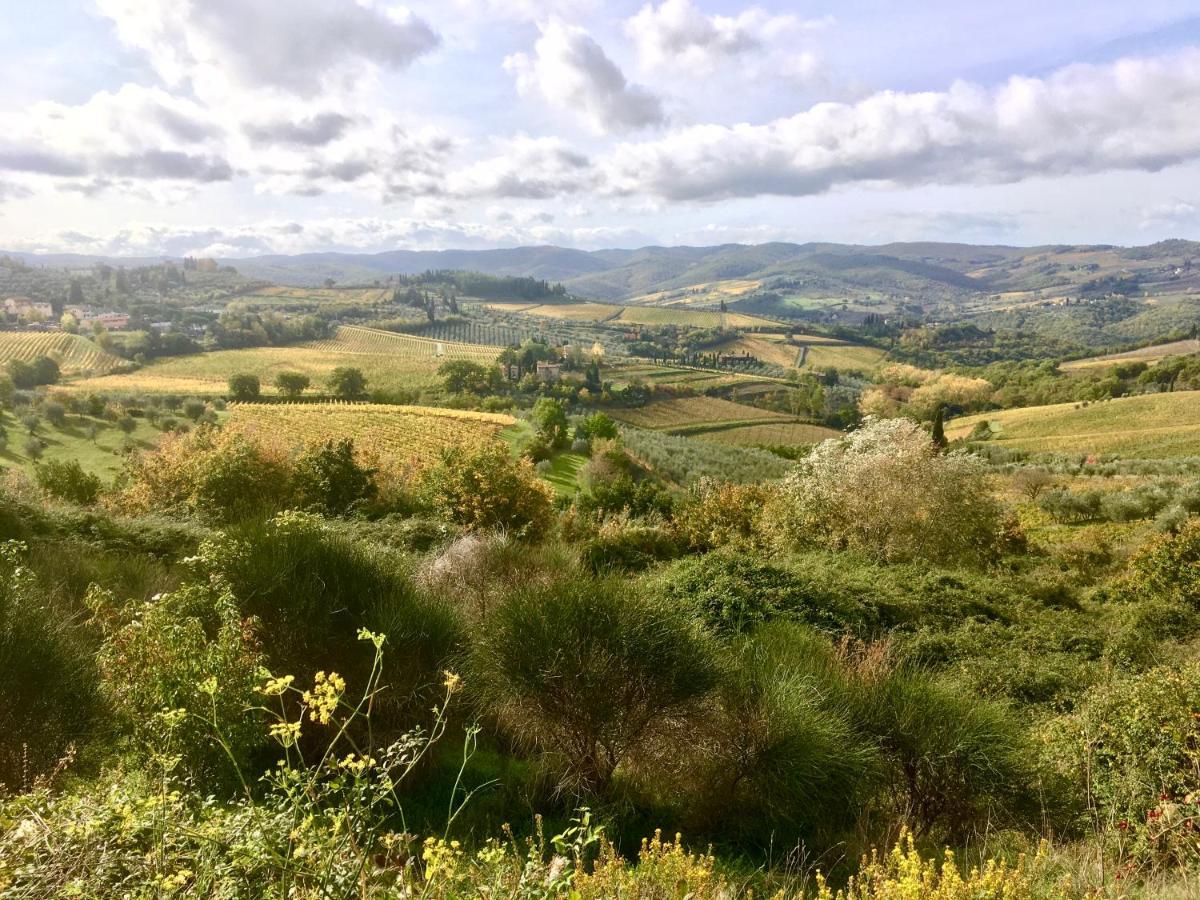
(1172, 214)
(352, 235)
(1132, 114)
(677, 35)
(135, 133)
(297, 46)
(571, 72)
(525, 168)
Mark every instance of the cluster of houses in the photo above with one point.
(35, 311)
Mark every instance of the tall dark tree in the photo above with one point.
(939, 430)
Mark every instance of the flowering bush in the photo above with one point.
(885, 492)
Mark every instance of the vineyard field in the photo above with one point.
(773, 434)
(303, 298)
(690, 412)
(695, 318)
(1149, 426)
(73, 353)
(700, 379)
(403, 433)
(389, 361)
(570, 312)
(1148, 355)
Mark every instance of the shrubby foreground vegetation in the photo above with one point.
(252, 669)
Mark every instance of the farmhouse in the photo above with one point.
(19, 306)
(549, 371)
(111, 321)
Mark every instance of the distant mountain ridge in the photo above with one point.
(945, 270)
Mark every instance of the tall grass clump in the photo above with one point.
(48, 696)
(311, 588)
(584, 672)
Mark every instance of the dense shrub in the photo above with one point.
(484, 488)
(733, 592)
(716, 514)
(329, 479)
(774, 759)
(622, 542)
(68, 481)
(312, 589)
(1132, 740)
(223, 476)
(189, 650)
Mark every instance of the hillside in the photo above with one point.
(1151, 426)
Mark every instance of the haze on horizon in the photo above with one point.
(240, 127)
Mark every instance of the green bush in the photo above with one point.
(68, 481)
(732, 592)
(328, 479)
(884, 492)
(774, 761)
(1131, 741)
(484, 488)
(312, 589)
(190, 650)
(622, 543)
(584, 671)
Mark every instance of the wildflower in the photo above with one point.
(287, 733)
(357, 764)
(209, 686)
(376, 639)
(452, 681)
(323, 699)
(275, 686)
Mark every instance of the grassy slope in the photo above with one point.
(103, 457)
(389, 361)
(1149, 355)
(1149, 426)
(72, 352)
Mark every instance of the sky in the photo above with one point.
(243, 127)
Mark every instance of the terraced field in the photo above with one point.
(389, 361)
(772, 434)
(406, 433)
(1148, 355)
(73, 353)
(690, 413)
(1151, 426)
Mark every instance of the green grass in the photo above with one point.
(71, 442)
(564, 473)
(389, 361)
(1150, 426)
